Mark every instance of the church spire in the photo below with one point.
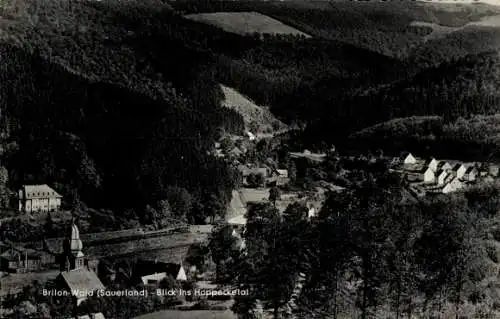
(76, 245)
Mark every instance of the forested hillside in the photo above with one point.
(82, 75)
(460, 88)
(372, 253)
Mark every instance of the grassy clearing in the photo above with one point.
(245, 23)
(257, 119)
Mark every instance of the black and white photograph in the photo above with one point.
(250, 159)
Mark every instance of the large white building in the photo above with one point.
(33, 198)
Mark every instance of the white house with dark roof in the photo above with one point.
(33, 198)
(470, 174)
(432, 164)
(459, 170)
(444, 166)
(441, 175)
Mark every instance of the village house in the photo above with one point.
(33, 198)
(429, 176)
(151, 273)
(441, 175)
(444, 166)
(453, 186)
(75, 275)
(407, 158)
(470, 174)
(459, 170)
(20, 260)
(432, 164)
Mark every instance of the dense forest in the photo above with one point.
(117, 106)
(117, 103)
(373, 253)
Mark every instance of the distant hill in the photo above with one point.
(455, 89)
(473, 138)
(245, 23)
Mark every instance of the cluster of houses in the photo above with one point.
(442, 176)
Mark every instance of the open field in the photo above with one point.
(441, 31)
(245, 23)
(257, 119)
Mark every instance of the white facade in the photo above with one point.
(460, 171)
(470, 175)
(429, 176)
(433, 164)
(441, 177)
(42, 198)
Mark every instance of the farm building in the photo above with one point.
(33, 198)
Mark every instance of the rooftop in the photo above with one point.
(81, 280)
(254, 195)
(39, 191)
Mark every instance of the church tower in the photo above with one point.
(72, 256)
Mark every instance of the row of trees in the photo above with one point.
(373, 251)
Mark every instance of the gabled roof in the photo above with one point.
(457, 166)
(431, 160)
(39, 191)
(428, 169)
(440, 172)
(81, 280)
(470, 169)
(441, 164)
